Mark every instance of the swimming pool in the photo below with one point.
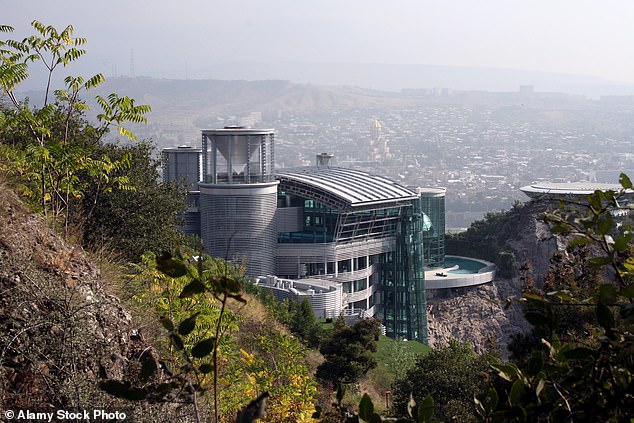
(465, 265)
(459, 272)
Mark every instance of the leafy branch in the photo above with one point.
(563, 380)
(54, 159)
(202, 280)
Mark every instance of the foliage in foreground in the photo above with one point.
(46, 149)
(218, 359)
(569, 379)
(416, 413)
(59, 163)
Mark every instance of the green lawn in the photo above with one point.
(385, 345)
(384, 348)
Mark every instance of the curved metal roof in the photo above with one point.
(341, 187)
(566, 189)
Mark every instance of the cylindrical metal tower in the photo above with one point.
(182, 164)
(236, 155)
(238, 197)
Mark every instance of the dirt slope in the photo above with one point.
(59, 329)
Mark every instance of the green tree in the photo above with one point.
(348, 352)
(44, 150)
(59, 163)
(303, 322)
(132, 221)
(450, 375)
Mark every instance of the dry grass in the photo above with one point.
(254, 310)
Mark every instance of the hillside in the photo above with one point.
(180, 108)
(60, 330)
(217, 96)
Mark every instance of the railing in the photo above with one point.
(353, 297)
(460, 280)
(353, 276)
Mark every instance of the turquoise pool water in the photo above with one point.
(465, 265)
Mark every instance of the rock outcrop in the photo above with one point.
(481, 315)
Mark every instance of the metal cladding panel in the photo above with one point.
(190, 223)
(182, 164)
(343, 188)
(291, 257)
(239, 223)
(325, 304)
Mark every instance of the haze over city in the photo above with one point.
(496, 44)
(481, 98)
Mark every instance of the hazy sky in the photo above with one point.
(584, 37)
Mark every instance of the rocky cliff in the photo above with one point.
(60, 330)
(478, 315)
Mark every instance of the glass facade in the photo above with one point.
(369, 224)
(399, 273)
(322, 224)
(236, 155)
(433, 209)
(403, 280)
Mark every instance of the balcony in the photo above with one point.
(361, 295)
(357, 274)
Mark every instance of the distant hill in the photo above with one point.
(236, 96)
(180, 108)
(217, 96)
(395, 77)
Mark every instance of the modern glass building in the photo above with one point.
(361, 230)
(357, 240)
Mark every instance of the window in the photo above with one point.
(360, 285)
(344, 266)
(360, 263)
